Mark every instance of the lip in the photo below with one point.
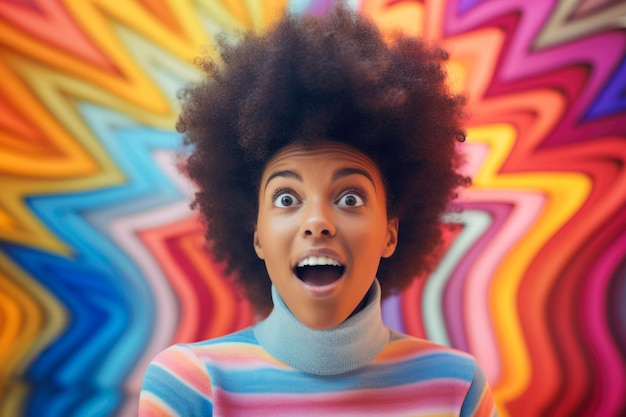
(320, 291)
(329, 253)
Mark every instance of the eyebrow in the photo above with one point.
(340, 173)
(283, 174)
(344, 172)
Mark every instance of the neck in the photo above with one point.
(346, 347)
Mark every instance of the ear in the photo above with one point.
(257, 244)
(392, 237)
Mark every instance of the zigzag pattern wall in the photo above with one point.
(102, 263)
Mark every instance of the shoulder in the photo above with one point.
(439, 369)
(181, 376)
(443, 366)
(402, 343)
(428, 356)
(232, 351)
(201, 351)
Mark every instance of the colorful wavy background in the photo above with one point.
(102, 263)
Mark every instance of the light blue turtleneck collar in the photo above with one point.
(344, 348)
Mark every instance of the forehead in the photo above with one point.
(323, 154)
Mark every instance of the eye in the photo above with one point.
(285, 199)
(351, 199)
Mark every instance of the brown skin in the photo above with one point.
(323, 200)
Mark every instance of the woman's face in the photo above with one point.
(322, 229)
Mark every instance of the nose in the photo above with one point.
(318, 221)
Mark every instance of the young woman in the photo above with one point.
(325, 157)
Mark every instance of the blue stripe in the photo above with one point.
(474, 393)
(424, 368)
(182, 398)
(242, 336)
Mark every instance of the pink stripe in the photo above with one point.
(461, 281)
(151, 406)
(527, 207)
(609, 363)
(182, 363)
(430, 397)
(237, 356)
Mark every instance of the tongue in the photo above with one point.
(319, 275)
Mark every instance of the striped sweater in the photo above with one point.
(281, 368)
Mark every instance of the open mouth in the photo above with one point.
(319, 270)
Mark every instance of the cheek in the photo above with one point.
(367, 237)
(275, 233)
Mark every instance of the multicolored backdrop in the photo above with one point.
(102, 263)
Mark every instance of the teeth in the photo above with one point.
(318, 260)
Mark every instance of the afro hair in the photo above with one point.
(333, 77)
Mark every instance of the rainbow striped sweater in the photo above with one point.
(281, 368)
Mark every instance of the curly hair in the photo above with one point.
(333, 77)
